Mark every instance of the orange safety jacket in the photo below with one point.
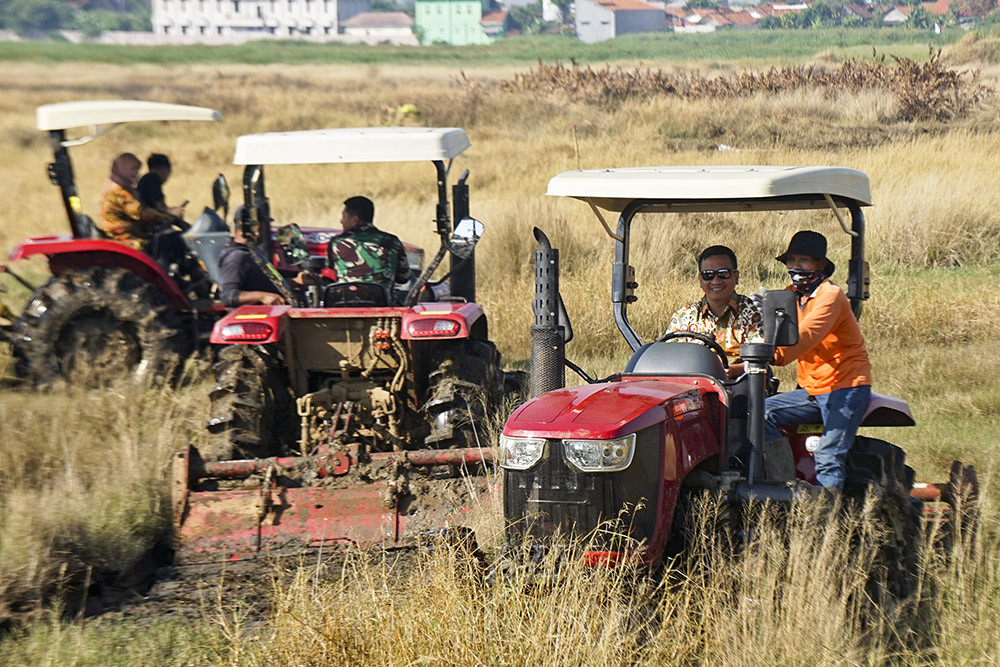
(831, 350)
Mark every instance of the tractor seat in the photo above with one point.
(356, 295)
(675, 358)
(91, 231)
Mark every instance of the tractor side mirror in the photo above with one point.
(780, 313)
(220, 195)
(467, 233)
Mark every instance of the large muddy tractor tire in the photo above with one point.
(253, 413)
(89, 326)
(464, 389)
(878, 466)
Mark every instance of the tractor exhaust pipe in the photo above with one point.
(548, 337)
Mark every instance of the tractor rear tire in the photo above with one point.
(464, 389)
(253, 414)
(88, 326)
(881, 467)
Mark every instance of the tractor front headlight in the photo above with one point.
(520, 453)
(600, 455)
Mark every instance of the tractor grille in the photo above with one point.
(554, 498)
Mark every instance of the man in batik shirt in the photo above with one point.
(363, 253)
(731, 318)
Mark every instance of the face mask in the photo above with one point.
(805, 281)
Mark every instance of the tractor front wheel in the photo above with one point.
(253, 414)
(88, 326)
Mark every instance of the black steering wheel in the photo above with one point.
(709, 341)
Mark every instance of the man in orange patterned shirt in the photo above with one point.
(731, 318)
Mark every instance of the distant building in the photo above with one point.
(896, 16)
(551, 12)
(458, 22)
(863, 12)
(237, 20)
(380, 28)
(494, 24)
(710, 20)
(598, 20)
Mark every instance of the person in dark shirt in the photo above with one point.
(243, 282)
(167, 245)
(151, 186)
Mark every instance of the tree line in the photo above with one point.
(92, 17)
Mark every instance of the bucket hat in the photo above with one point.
(805, 242)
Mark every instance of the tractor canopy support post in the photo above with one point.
(256, 228)
(623, 281)
(257, 223)
(463, 272)
(548, 338)
(441, 216)
(61, 174)
(857, 271)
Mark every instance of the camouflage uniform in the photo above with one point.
(368, 255)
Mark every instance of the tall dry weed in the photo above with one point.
(84, 487)
(796, 592)
(927, 90)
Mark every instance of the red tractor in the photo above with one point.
(631, 449)
(351, 414)
(109, 308)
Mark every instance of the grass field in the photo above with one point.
(84, 488)
(752, 48)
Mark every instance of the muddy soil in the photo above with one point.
(197, 593)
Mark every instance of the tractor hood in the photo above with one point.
(608, 409)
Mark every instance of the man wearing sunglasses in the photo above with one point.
(834, 372)
(732, 318)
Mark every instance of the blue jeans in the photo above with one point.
(840, 412)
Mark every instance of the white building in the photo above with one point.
(380, 28)
(597, 20)
(239, 20)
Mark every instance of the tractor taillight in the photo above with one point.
(432, 328)
(247, 331)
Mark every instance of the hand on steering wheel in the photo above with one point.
(708, 340)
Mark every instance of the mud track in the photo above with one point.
(204, 592)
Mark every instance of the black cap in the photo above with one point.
(805, 243)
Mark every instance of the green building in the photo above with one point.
(457, 22)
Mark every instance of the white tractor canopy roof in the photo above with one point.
(713, 188)
(355, 144)
(112, 112)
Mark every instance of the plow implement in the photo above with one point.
(952, 504)
(233, 510)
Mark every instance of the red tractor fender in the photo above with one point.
(883, 410)
(66, 253)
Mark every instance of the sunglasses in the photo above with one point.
(724, 274)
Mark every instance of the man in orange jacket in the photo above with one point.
(834, 373)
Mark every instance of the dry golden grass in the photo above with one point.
(83, 477)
